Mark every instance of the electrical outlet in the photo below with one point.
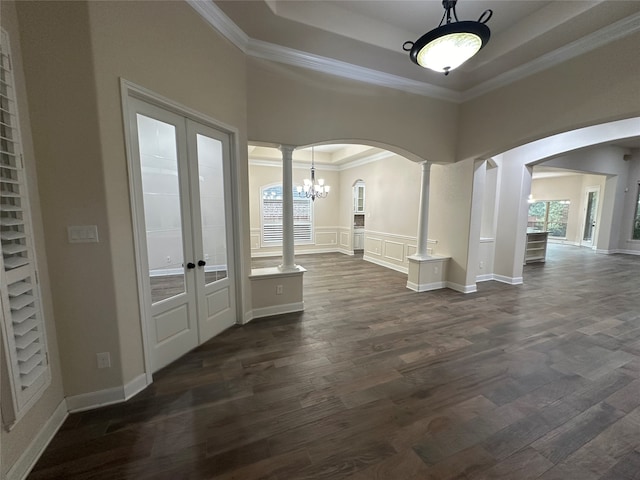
(104, 360)
(279, 289)
(168, 259)
(481, 264)
(206, 256)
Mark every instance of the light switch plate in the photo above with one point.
(82, 233)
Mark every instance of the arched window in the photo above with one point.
(271, 216)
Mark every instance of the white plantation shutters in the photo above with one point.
(272, 217)
(27, 367)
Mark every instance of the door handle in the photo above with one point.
(201, 263)
(191, 265)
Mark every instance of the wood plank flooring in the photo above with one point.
(374, 381)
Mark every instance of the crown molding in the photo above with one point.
(223, 24)
(599, 38)
(297, 58)
(325, 166)
(269, 51)
(368, 159)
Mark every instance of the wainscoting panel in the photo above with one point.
(326, 238)
(394, 251)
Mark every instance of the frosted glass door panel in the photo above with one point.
(211, 183)
(162, 209)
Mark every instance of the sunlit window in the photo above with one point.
(549, 216)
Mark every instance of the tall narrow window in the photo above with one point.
(636, 217)
(272, 217)
(27, 368)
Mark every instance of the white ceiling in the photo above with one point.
(527, 35)
(363, 39)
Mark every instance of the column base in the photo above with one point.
(427, 272)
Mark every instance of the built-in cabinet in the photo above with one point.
(358, 197)
(536, 247)
(358, 238)
(358, 215)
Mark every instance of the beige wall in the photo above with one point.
(75, 54)
(597, 87)
(392, 195)
(82, 156)
(188, 72)
(14, 443)
(284, 102)
(67, 145)
(450, 216)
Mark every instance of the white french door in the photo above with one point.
(590, 216)
(180, 180)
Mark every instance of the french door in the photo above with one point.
(181, 190)
(591, 211)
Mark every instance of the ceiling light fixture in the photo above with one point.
(312, 189)
(450, 45)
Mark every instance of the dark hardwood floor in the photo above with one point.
(374, 381)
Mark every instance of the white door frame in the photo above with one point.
(583, 243)
(131, 90)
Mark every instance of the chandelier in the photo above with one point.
(311, 188)
(450, 45)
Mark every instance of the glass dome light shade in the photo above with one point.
(449, 46)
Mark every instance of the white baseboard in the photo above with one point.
(485, 278)
(426, 287)
(135, 386)
(629, 252)
(34, 451)
(276, 310)
(335, 249)
(109, 396)
(382, 263)
(618, 250)
(462, 288)
(509, 280)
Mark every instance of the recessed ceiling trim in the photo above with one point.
(295, 164)
(324, 166)
(221, 22)
(290, 56)
(268, 51)
(599, 38)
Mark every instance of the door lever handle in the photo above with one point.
(201, 263)
(191, 265)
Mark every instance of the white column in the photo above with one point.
(423, 212)
(287, 208)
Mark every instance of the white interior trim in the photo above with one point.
(382, 263)
(269, 51)
(462, 288)
(109, 396)
(425, 287)
(275, 310)
(39, 443)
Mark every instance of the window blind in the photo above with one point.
(27, 367)
(271, 209)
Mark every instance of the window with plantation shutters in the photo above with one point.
(27, 368)
(272, 217)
